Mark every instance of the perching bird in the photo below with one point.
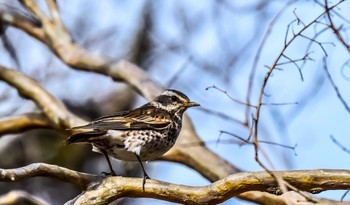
(142, 134)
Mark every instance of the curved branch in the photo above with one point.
(21, 197)
(18, 19)
(288, 198)
(82, 180)
(20, 123)
(113, 188)
(103, 190)
(55, 111)
(262, 198)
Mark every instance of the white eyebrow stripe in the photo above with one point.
(171, 93)
(159, 105)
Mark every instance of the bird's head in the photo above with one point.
(173, 101)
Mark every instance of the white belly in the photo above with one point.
(149, 145)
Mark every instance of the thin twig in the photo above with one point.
(344, 195)
(247, 141)
(221, 115)
(229, 96)
(332, 26)
(335, 87)
(336, 142)
(258, 54)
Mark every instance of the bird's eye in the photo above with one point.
(173, 98)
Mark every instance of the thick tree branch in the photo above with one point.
(20, 123)
(103, 190)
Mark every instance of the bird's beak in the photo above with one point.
(191, 104)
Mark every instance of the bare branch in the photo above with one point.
(272, 67)
(344, 195)
(333, 27)
(15, 18)
(29, 88)
(262, 198)
(335, 87)
(288, 198)
(235, 185)
(313, 40)
(7, 12)
(259, 51)
(54, 11)
(262, 90)
(345, 65)
(82, 180)
(229, 96)
(21, 197)
(221, 115)
(33, 8)
(102, 190)
(20, 123)
(336, 142)
(246, 141)
(299, 21)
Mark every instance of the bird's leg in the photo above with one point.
(145, 175)
(109, 164)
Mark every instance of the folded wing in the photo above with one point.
(140, 118)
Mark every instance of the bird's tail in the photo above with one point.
(84, 136)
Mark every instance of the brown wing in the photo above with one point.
(145, 117)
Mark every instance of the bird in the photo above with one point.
(141, 134)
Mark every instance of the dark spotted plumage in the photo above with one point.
(142, 134)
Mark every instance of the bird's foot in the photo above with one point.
(145, 176)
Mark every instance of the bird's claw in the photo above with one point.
(144, 181)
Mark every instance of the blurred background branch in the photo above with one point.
(21, 197)
(21, 123)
